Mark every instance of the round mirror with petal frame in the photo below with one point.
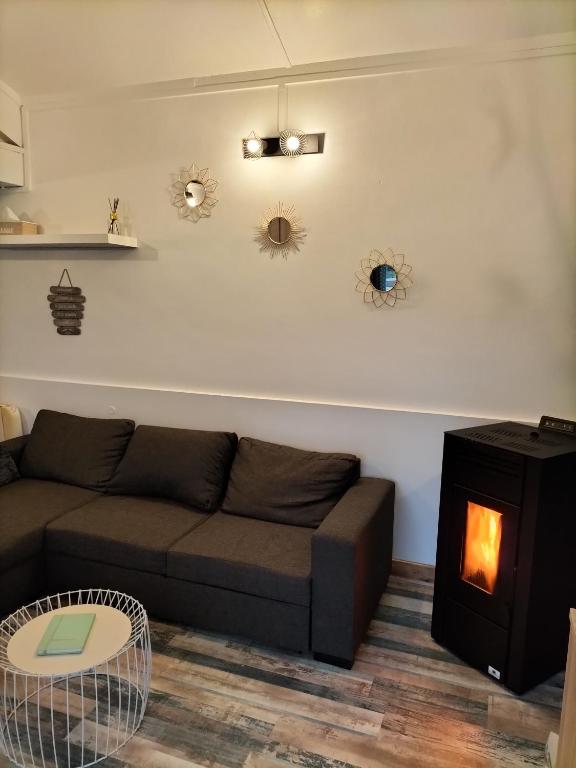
(193, 192)
(384, 278)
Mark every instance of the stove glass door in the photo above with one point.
(480, 553)
(482, 541)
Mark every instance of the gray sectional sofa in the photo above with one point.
(291, 548)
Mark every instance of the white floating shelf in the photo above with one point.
(68, 241)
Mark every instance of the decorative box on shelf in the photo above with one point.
(18, 228)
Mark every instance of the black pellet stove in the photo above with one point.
(506, 559)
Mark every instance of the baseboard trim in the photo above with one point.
(409, 570)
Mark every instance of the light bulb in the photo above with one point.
(293, 143)
(253, 146)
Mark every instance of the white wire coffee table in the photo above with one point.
(75, 710)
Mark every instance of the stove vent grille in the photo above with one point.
(522, 439)
(486, 438)
(525, 446)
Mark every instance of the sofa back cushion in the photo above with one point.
(287, 485)
(185, 465)
(75, 450)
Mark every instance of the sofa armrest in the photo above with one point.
(15, 447)
(351, 560)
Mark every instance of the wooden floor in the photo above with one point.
(407, 703)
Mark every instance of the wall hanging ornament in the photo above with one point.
(67, 305)
(280, 231)
(193, 194)
(384, 278)
(113, 226)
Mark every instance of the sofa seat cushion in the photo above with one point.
(75, 450)
(26, 506)
(252, 556)
(132, 532)
(186, 465)
(287, 485)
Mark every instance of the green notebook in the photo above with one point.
(66, 633)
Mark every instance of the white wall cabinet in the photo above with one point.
(11, 166)
(11, 151)
(10, 118)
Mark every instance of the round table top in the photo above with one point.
(109, 633)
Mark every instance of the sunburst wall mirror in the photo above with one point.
(193, 193)
(384, 278)
(280, 231)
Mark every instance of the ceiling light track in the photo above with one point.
(382, 65)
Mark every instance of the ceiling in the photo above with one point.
(58, 46)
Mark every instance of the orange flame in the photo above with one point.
(482, 547)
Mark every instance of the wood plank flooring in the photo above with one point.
(219, 702)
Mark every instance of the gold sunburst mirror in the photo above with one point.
(280, 231)
(193, 193)
(384, 278)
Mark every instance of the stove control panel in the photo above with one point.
(563, 426)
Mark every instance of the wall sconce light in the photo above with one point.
(253, 147)
(292, 142)
(288, 142)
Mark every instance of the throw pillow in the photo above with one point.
(8, 469)
(75, 450)
(186, 465)
(287, 485)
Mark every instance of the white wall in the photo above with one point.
(469, 171)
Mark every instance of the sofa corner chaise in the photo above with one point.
(287, 547)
